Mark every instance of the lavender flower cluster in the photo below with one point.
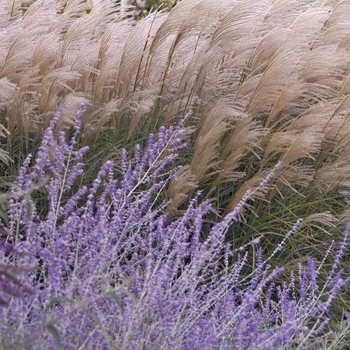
(109, 272)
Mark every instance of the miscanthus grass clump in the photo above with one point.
(107, 270)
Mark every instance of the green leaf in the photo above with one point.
(56, 300)
(54, 332)
(116, 298)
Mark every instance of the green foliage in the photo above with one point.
(145, 7)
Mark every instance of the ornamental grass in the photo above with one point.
(267, 84)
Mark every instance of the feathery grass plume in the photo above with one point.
(4, 156)
(111, 273)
